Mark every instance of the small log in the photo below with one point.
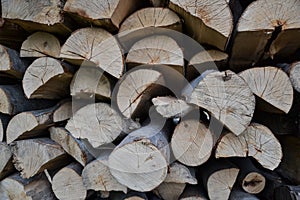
(208, 22)
(99, 124)
(227, 97)
(108, 14)
(67, 183)
(287, 192)
(47, 78)
(71, 145)
(94, 45)
(4, 120)
(294, 74)
(205, 60)
(261, 36)
(266, 149)
(29, 124)
(13, 101)
(192, 142)
(272, 86)
(10, 63)
(44, 154)
(237, 194)
(194, 192)
(96, 176)
(63, 112)
(6, 165)
(156, 50)
(40, 44)
(16, 187)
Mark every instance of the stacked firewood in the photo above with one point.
(149, 99)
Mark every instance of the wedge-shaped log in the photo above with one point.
(6, 165)
(63, 112)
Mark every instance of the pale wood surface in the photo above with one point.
(63, 112)
(294, 74)
(6, 166)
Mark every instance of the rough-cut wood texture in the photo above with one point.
(294, 74)
(4, 119)
(256, 141)
(95, 45)
(15, 187)
(71, 145)
(287, 192)
(228, 97)
(10, 63)
(208, 22)
(6, 166)
(40, 44)
(63, 112)
(271, 85)
(156, 50)
(67, 183)
(47, 78)
(266, 29)
(44, 154)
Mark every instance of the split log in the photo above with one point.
(63, 112)
(287, 192)
(6, 165)
(294, 73)
(4, 120)
(10, 63)
(108, 14)
(272, 86)
(67, 183)
(44, 154)
(94, 45)
(91, 82)
(208, 22)
(192, 142)
(261, 36)
(71, 145)
(194, 192)
(37, 16)
(256, 141)
(156, 50)
(16, 187)
(47, 78)
(205, 60)
(237, 194)
(40, 44)
(29, 124)
(13, 101)
(175, 182)
(227, 97)
(96, 176)
(99, 124)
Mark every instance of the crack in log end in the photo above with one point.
(252, 183)
(275, 33)
(203, 15)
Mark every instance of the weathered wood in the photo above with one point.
(156, 50)
(67, 183)
(208, 22)
(6, 165)
(294, 74)
(47, 78)
(4, 119)
(99, 124)
(40, 44)
(10, 62)
(94, 45)
(29, 124)
(15, 187)
(260, 36)
(192, 142)
(63, 112)
(287, 192)
(256, 141)
(71, 145)
(44, 154)
(227, 97)
(271, 85)
(194, 192)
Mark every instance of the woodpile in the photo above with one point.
(149, 99)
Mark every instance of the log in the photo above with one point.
(37, 16)
(47, 78)
(4, 119)
(208, 22)
(71, 145)
(241, 195)
(97, 46)
(192, 142)
(194, 192)
(261, 36)
(63, 112)
(40, 44)
(294, 72)
(205, 60)
(16, 187)
(67, 183)
(227, 97)
(271, 85)
(99, 124)
(156, 50)
(29, 124)
(44, 154)
(287, 192)
(6, 166)
(10, 63)
(107, 14)
(96, 176)
(256, 141)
